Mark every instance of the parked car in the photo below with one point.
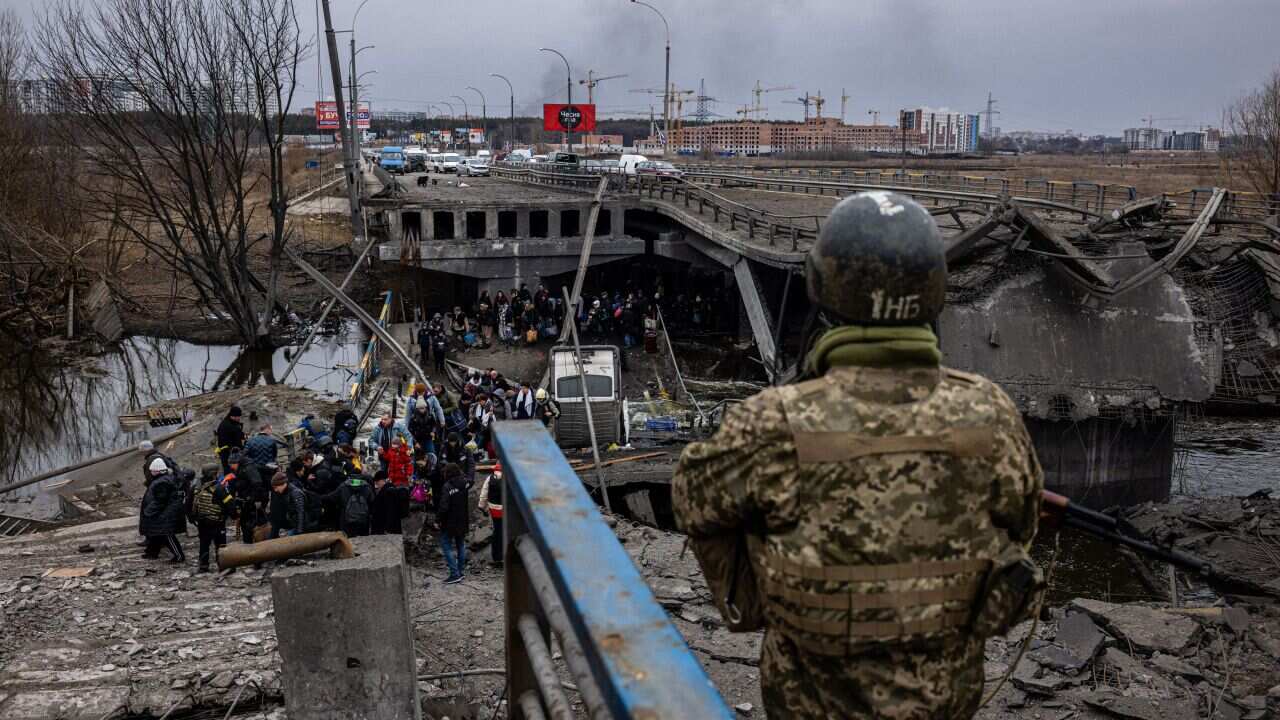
(538, 159)
(610, 166)
(592, 167)
(473, 166)
(660, 169)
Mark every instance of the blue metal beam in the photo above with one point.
(640, 662)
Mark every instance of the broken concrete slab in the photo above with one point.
(1056, 657)
(1173, 666)
(1078, 634)
(1141, 708)
(1146, 629)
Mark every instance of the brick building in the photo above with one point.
(763, 138)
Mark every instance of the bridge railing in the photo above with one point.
(1091, 196)
(762, 225)
(566, 573)
(758, 224)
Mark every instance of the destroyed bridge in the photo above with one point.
(1060, 292)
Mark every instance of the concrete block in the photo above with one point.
(345, 635)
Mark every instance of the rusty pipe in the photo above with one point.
(240, 554)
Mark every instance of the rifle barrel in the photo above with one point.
(1068, 508)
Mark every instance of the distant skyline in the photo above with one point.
(1092, 66)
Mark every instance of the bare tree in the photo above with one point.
(178, 107)
(1254, 124)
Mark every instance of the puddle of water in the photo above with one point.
(52, 416)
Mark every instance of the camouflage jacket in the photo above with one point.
(804, 468)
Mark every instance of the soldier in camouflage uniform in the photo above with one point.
(886, 502)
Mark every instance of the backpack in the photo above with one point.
(356, 513)
(205, 506)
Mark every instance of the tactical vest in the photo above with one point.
(894, 543)
(205, 506)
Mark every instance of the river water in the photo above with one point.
(52, 416)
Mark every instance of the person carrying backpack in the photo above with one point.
(455, 518)
(355, 503)
(211, 503)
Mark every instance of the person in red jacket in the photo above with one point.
(491, 502)
(398, 461)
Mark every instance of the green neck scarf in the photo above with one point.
(873, 346)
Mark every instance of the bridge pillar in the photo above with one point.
(459, 225)
(491, 223)
(428, 225)
(616, 215)
(522, 223)
(395, 228)
(553, 223)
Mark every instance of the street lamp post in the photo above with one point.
(512, 129)
(449, 131)
(355, 104)
(356, 134)
(466, 118)
(484, 114)
(568, 136)
(666, 82)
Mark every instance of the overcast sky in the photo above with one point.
(1094, 66)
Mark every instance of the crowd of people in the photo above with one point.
(626, 316)
(428, 460)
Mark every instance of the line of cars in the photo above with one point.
(570, 162)
(399, 160)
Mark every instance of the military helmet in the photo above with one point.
(878, 260)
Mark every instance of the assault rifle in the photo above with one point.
(1115, 530)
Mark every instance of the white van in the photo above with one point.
(627, 163)
(449, 162)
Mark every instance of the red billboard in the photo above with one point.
(327, 115)
(558, 117)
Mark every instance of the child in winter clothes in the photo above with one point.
(398, 461)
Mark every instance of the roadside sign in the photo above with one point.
(327, 115)
(559, 117)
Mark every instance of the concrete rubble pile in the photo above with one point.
(1105, 660)
(1239, 536)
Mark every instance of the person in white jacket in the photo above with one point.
(491, 503)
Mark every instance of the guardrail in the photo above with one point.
(368, 369)
(758, 224)
(805, 186)
(1092, 196)
(566, 573)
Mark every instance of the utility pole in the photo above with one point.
(349, 162)
(355, 114)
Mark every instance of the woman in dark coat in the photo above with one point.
(453, 512)
(162, 515)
